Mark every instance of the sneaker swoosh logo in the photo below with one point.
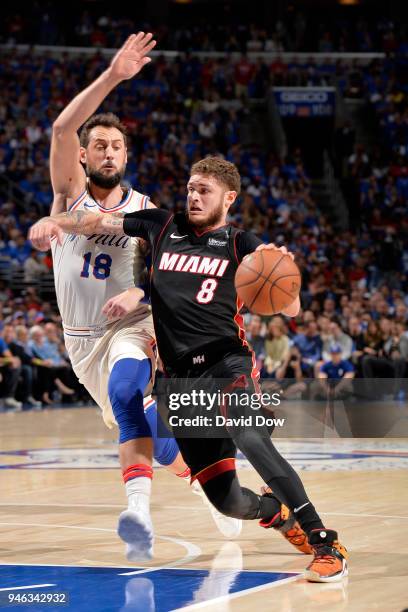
(300, 507)
(175, 236)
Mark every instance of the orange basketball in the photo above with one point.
(267, 281)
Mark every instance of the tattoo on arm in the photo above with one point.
(85, 222)
(113, 222)
(79, 220)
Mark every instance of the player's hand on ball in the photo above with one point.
(273, 247)
(43, 231)
(122, 304)
(131, 58)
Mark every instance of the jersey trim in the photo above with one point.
(159, 237)
(78, 201)
(119, 206)
(235, 249)
(209, 230)
(239, 321)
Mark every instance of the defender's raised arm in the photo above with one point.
(67, 172)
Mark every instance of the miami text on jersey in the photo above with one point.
(196, 264)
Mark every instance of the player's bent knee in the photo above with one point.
(127, 382)
(232, 506)
(165, 450)
(229, 498)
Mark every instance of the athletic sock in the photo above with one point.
(293, 495)
(138, 484)
(308, 518)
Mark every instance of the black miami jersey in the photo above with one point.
(193, 295)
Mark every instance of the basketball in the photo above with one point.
(267, 281)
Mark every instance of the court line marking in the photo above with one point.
(196, 508)
(190, 569)
(378, 516)
(226, 598)
(59, 505)
(28, 586)
(193, 551)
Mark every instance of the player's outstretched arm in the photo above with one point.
(79, 222)
(67, 174)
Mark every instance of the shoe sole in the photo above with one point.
(137, 535)
(315, 577)
(233, 526)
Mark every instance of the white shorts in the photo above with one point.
(93, 356)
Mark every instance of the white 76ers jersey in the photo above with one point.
(89, 270)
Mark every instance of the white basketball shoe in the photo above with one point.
(136, 529)
(228, 526)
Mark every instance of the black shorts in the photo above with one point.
(200, 453)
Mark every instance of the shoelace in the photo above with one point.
(324, 559)
(298, 538)
(323, 556)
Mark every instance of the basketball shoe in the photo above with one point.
(228, 526)
(136, 529)
(285, 522)
(330, 557)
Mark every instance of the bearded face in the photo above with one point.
(201, 219)
(106, 177)
(105, 157)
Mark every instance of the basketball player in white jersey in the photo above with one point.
(108, 327)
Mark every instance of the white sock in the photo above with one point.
(138, 491)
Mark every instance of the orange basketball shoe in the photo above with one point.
(285, 522)
(330, 557)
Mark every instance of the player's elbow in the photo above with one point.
(58, 129)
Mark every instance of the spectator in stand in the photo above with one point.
(10, 369)
(310, 346)
(390, 360)
(334, 376)
(55, 350)
(34, 268)
(323, 323)
(329, 308)
(16, 339)
(340, 338)
(288, 377)
(255, 337)
(48, 374)
(276, 343)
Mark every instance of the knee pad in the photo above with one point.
(165, 450)
(127, 382)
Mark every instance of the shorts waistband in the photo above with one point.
(204, 357)
(96, 331)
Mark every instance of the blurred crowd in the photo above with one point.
(35, 371)
(224, 29)
(354, 293)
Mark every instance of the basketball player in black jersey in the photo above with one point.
(199, 334)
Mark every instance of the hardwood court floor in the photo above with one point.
(61, 493)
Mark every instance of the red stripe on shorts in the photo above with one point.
(211, 471)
